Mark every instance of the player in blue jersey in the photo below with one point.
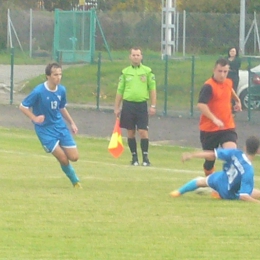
(46, 107)
(235, 181)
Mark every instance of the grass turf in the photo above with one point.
(123, 212)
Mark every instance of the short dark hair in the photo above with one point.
(136, 48)
(50, 66)
(222, 62)
(252, 145)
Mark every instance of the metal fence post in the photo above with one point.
(249, 90)
(165, 84)
(192, 85)
(98, 79)
(12, 77)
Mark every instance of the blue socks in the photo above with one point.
(189, 186)
(70, 172)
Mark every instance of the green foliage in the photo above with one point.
(122, 212)
(200, 6)
(253, 6)
(51, 5)
(213, 6)
(207, 32)
(129, 5)
(145, 29)
(126, 29)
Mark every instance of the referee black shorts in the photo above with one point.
(212, 140)
(134, 115)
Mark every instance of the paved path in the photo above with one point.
(21, 73)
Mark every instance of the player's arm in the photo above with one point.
(152, 92)
(69, 119)
(119, 95)
(118, 101)
(27, 111)
(238, 106)
(207, 154)
(152, 109)
(246, 197)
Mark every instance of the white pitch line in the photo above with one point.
(200, 173)
(109, 164)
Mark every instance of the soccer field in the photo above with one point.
(122, 212)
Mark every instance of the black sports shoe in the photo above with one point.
(146, 162)
(134, 161)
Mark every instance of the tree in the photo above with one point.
(213, 6)
(129, 5)
(201, 6)
(253, 6)
(26, 4)
(51, 5)
(47, 5)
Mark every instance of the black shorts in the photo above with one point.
(134, 115)
(212, 140)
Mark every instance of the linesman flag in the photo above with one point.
(115, 146)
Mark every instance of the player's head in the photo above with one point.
(252, 145)
(221, 69)
(135, 56)
(50, 67)
(53, 74)
(222, 62)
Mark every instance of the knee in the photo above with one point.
(143, 134)
(74, 158)
(63, 160)
(201, 182)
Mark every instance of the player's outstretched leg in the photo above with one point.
(189, 186)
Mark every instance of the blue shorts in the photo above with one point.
(219, 182)
(50, 138)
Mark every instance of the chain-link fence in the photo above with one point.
(31, 31)
(202, 33)
(179, 82)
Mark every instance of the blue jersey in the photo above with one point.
(237, 176)
(53, 130)
(44, 101)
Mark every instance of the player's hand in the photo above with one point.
(237, 106)
(152, 111)
(74, 128)
(186, 157)
(39, 119)
(117, 112)
(218, 122)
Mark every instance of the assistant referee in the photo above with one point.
(136, 86)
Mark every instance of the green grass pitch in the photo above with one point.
(122, 212)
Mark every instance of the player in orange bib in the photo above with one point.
(217, 126)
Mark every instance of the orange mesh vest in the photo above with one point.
(219, 105)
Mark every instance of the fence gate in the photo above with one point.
(74, 36)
